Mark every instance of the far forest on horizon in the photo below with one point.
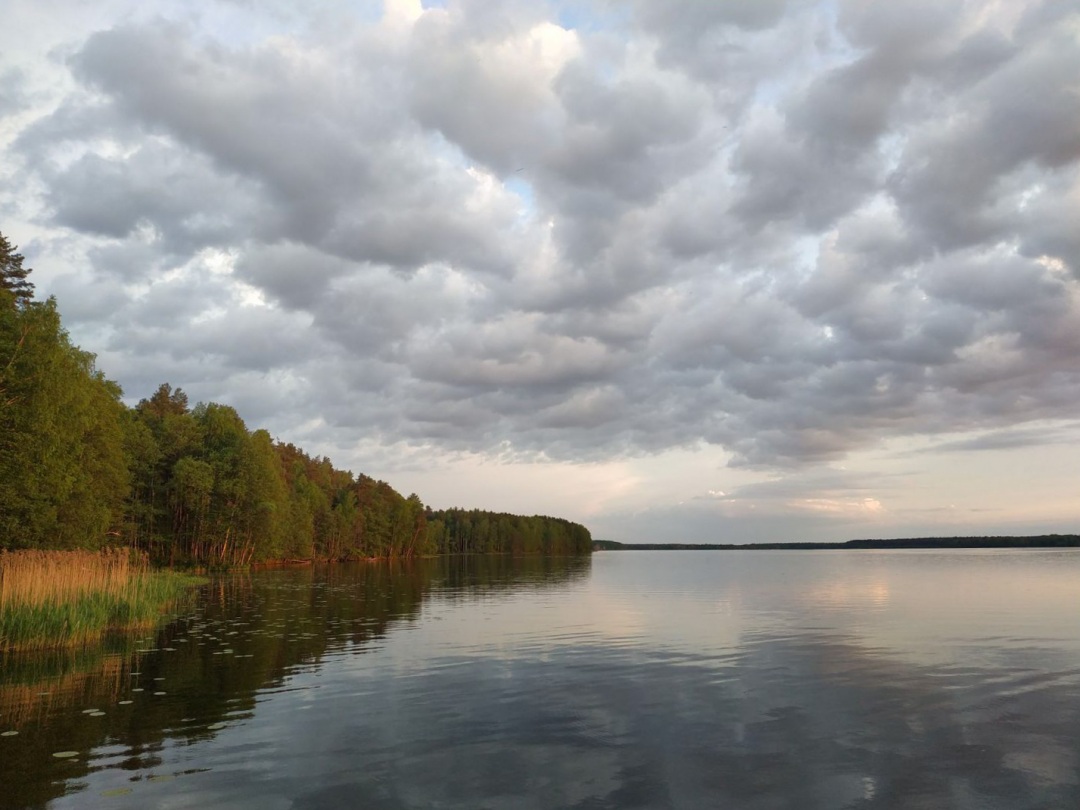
(1034, 541)
(79, 469)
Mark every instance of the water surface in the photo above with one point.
(830, 679)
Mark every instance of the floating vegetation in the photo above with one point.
(54, 599)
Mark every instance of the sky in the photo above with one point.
(733, 271)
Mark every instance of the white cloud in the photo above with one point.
(789, 233)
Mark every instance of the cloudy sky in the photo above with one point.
(704, 271)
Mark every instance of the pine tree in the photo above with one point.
(13, 274)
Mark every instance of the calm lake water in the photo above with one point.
(913, 679)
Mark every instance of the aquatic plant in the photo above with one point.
(65, 598)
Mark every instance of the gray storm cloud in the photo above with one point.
(790, 229)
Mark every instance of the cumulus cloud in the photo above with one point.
(789, 230)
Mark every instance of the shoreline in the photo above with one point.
(1042, 541)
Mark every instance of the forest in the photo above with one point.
(192, 484)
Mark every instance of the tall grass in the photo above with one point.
(64, 598)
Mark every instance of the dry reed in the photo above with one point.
(60, 598)
(42, 577)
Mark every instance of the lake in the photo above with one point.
(752, 679)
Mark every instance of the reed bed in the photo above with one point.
(65, 598)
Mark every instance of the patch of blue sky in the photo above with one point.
(839, 50)
(805, 253)
(589, 17)
(367, 11)
(524, 190)
(238, 24)
(770, 94)
(446, 150)
(820, 47)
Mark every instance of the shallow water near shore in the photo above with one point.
(829, 679)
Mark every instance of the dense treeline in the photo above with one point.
(63, 471)
(1036, 541)
(79, 469)
(457, 531)
(205, 488)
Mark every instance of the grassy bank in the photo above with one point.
(65, 598)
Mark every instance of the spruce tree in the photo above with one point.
(13, 276)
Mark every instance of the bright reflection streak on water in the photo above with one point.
(641, 679)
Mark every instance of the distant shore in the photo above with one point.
(1037, 541)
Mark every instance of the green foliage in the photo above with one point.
(63, 469)
(234, 497)
(458, 531)
(80, 470)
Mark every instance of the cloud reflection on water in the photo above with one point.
(749, 680)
